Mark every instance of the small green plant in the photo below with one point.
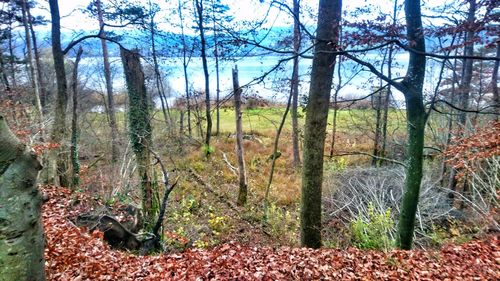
(207, 149)
(337, 165)
(282, 223)
(373, 233)
(217, 223)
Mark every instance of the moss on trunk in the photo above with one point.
(21, 229)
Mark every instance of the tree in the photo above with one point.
(109, 86)
(416, 117)
(242, 193)
(329, 15)
(140, 130)
(21, 228)
(200, 23)
(295, 82)
(58, 169)
(75, 132)
(31, 64)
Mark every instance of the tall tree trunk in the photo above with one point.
(464, 88)
(21, 228)
(31, 65)
(139, 127)
(3, 69)
(242, 193)
(335, 106)
(465, 83)
(75, 132)
(388, 93)
(12, 57)
(217, 89)
(329, 15)
(416, 118)
(184, 67)
(43, 89)
(199, 9)
(295, 83)
(59, 157)
(115, 153)
(494, 85)
(159, 83)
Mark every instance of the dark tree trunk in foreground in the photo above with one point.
(295, 84)
(58, 170)
(139, 127)
(21, 228)
(242, 193)
(75, 132)
(416, 118)
(115, 153)
(316, 120)
(199, 10)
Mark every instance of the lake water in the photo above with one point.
(276, 84)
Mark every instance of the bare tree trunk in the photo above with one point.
(387, 98)
(43, 89)
(59, 157)
(75, 132)
(295, 84)
(335, 107)
(465, 83)
(31, 65)
(242, 193)
(159, 83)
(464, 89)
(276, 154)
(199, 9)
(184, 67)
(12, 57)
(139, 128)
(329, 15)
(494, 85)
(416, 118)
(115, 153)
(21, 228)
(3, 69)
(216, 55)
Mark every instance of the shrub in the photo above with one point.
(373, 232)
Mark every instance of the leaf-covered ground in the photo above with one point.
(74, 254)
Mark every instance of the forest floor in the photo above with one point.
(72, 253)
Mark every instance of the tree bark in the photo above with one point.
(75, 163)
(316, 119)
(31, 65)
(59, 157)
(494, 85)
(242, 193)
(159, 83)
(139, 127)
(115, 153)
(199, 9)
(12, 60)
(21, 228)
(184, 67)
(465, 83)
(295, 84)
(43, 89)
(416, 118)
